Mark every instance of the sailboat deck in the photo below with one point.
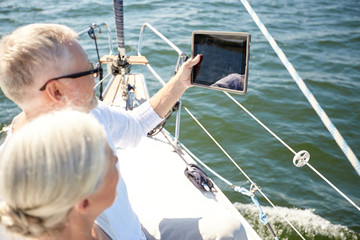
(168, 205)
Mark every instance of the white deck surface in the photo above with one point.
(168, 205)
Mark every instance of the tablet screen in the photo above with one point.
(224, 64)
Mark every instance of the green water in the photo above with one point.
(320, 38)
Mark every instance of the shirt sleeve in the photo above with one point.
(126, 128)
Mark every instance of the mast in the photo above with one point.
(119, 26)
(120, 63)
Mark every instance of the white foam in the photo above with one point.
(305, 221)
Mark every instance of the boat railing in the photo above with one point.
(181, 59)
(98, 26)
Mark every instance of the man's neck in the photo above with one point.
(29, 114)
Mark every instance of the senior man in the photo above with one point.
(35, 63)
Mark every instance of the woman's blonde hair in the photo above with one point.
(46, 168)
(27, 52)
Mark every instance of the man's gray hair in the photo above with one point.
(29, 52)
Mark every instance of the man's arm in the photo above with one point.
(166, 97)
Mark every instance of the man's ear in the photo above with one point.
(54, 92)
(82, 206)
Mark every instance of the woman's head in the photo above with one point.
(47, 167)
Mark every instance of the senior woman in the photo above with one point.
(57, 174)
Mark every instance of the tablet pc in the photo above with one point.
(225, 60)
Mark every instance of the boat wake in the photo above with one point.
(310, 225)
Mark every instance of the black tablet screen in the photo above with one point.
(224, 60)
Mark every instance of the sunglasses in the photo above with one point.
(94, 71)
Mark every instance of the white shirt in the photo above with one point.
(124, 129)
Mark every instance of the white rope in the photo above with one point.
(222, 149)
(102, 80)
(333, 186)
(311, 167)
(232, 160)
(206, 166)
(310, 97)
(263, 125)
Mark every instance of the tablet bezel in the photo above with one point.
(241, 35)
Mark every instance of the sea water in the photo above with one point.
(322, 41)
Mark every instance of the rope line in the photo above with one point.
(102, 80)
(308, 164)
(333, 186)
(263, 125)
(232, 160)
(310, 97)
(206, 166)
(221, 148)
(239, 189)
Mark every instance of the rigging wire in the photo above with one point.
(102, 80)
(308, 164)
(333, 186)
(263, 125)
(305, 90)
(242, 171)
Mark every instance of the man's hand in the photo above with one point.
(166, 97)
(184, 73)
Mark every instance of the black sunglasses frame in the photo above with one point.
(75, 75)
